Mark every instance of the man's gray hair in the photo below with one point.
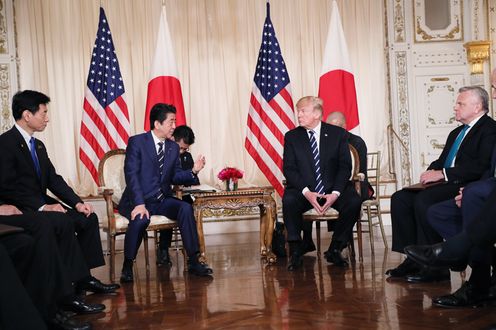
(480, 92)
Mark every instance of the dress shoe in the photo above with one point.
(199, 269)
(427, 275)
(431, 256)
(335, 257)
(307, 246)
(127, 275)
(407, 267)
(78, 306)
(465, 296)
(61, 321)
(163, 258)
(96, 286)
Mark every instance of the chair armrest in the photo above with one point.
(107, 196)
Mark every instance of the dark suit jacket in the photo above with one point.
(335, 159)
(19, 183)
(474, 155)
(187, 161)
(141, 169)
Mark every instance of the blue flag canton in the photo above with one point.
(271, 75)
(104, 78)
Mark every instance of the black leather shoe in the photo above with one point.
(465, 296)
(295, 262)
(78, 306)
(308, 246)
(431, 256)
(407, 267)
(127, 275)
(199, 269)
(427, 275)
(96, 286)
(61, 321)
(335, 257)
(163, 258)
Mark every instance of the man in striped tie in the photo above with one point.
(151, 167)
(317, 166)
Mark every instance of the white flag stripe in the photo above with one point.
(285, 106)
(90, 125)
(90, 153)
(123, 121)
(100, 112)
(269, 111)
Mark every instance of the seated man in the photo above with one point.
(39, 266)
(184, 137)
(465, 158)
(151, 166)
(457, 251)
(26, 173)
(317, 167)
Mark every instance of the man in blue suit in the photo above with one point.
(151, 166)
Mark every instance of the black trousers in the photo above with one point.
(56, 259)
(294, 204)
(409, 215)
(17, 311)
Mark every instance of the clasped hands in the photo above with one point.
(314, 198)
(431, 176)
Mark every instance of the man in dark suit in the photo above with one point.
(457, 251)
(38, 259)
(184, 137)
(151, 166)
(465, 158)
(26, 174)
(317, 167)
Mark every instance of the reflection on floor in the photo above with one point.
(245, 293)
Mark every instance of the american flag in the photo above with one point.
(271, 112)
(105, 123)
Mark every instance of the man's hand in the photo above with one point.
(9, 210)
(199, 164)
(458, 198)
(54, 208)
(312, 198)
(330, 199)
(84, 208)
(141, 211)
(431, 176)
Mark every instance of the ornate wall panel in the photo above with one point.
(440, 58)
(399, 21)
(438, 20)
(8, 69)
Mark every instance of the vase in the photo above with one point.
(231, 185)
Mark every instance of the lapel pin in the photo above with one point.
(325, 134)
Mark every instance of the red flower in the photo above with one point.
(230, 173)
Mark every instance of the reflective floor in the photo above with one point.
(245, 293)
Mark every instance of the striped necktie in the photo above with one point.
(160, 156)
(454, 148)
(316, 161)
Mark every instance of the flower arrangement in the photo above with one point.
(230, 175)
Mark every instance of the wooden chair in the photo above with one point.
(333, 214)
(372, 208)
(111, 176)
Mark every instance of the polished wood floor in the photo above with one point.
(245, 293)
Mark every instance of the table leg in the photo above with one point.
(201, 237)
(267, 219)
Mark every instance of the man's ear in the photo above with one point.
(26, 115)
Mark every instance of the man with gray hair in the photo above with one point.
(465, 157)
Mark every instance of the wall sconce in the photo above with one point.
(477, 53)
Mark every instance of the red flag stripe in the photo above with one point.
(273, 180)
(268, 146)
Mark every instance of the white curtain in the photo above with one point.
(216, 43)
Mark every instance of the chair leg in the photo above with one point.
(371, 230)
(111, 245)
(359, 236)
(383, 233)
(147, 255)
(317, 229)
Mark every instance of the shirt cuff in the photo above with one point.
(445, 176)
(336, 192)
(304, 191)
(42, 207)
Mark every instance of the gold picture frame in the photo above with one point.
(437, 20)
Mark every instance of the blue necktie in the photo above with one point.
(454, 148)
(316, 160)
(34, 156)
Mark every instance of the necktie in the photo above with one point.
(454, 148)
(34, 156)
(160, 156)
(316, 161)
